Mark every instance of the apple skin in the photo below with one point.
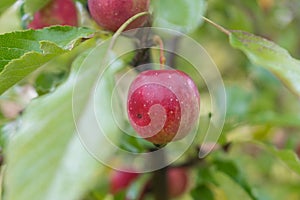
(111, 14)
(177, 179)
(120, 180)
(57, 12)
(163, 105)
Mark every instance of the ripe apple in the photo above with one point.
(57, 12)
(177, 180)
(120, 180)
(111, 14)
(163, 105)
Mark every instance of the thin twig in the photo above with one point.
(173, 48)
(143, 51)
(124, 26)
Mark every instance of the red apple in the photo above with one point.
(163, 105)
(177, 180)
(120, 180)
(57, 12)
(111, 14)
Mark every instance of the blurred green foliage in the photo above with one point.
(262, 122)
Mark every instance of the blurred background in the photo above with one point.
(259, 107)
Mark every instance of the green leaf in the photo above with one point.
(245, 105)
(46, 82)
(288, 157)
(45, 159)
(134, 144)
(203, 180)
(269, 55)
(238, 103)
(31, 6)
(202, 192)
(230, 168)
(23, 52)
(120, 195)
(137, 188)
(4, 4)
(10, 19)
(166, 14)
(204, 176)
(76, 173)
(275, 119)
(232, 190)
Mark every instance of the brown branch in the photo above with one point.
(143, 44)
(160, 185)
(173, 48)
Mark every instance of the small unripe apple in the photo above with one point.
(57, 12)
(111, 14)
(177, 180)
(120, 180)
(163, 105)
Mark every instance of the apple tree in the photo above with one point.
(149, 99)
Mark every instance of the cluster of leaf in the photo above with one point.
(45, 159)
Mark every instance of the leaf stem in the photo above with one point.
(221, 28)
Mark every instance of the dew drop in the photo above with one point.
(169, 76)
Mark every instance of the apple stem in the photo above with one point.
(162, 58)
